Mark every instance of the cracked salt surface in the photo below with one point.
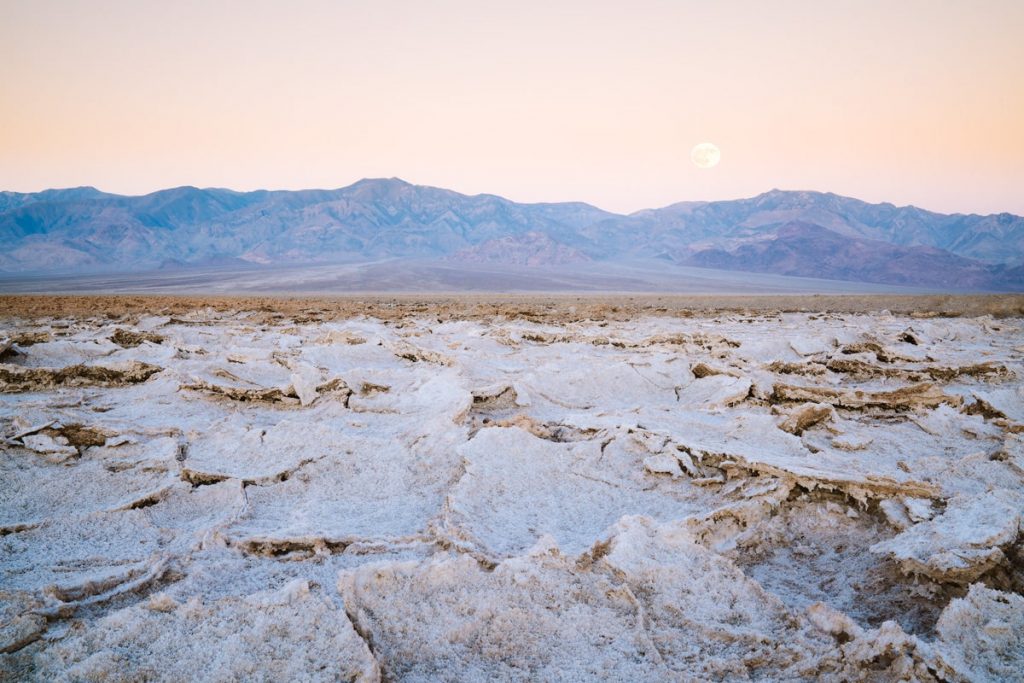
(225, 496)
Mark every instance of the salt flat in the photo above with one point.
(422, 491)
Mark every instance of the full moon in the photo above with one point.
(705, 155)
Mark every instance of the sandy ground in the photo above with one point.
(553, 307)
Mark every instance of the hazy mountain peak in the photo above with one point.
(379, 183)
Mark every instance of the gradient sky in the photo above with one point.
(907, 101)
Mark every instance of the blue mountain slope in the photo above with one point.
(85, 230)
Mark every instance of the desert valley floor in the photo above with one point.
(413, 490)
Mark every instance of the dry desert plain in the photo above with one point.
(529, 487)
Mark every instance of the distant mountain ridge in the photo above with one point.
(809, 250)
(809, 234)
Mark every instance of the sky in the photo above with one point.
(904, 101)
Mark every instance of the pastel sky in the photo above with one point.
(908, 101)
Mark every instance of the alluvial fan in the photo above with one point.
(421, 495)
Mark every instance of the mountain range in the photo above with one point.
(806, 234)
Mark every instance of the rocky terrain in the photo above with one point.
(802, 234)
(417, 490)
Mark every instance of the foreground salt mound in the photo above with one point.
(647, 602)
(35, 491)
(964, 542)
(620, 384)
(518, 487)
(261, 637)
(634, 607)
(78, 558)
(374, 480)
(982, 635)
(341, 500)
(530, 618)
(752, 443)
(741, 632)
(259, 452)
(720, 497)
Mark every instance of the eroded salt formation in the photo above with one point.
(777, 497)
